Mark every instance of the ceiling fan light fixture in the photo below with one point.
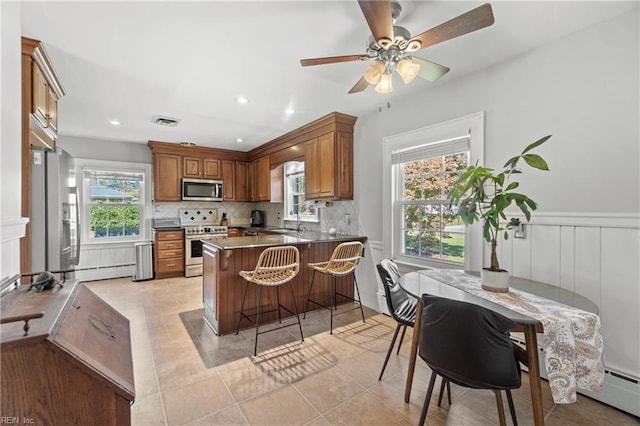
(385, 85)
(413, 45)
(408, 70)
(373, 73)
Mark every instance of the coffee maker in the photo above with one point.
(257, 218)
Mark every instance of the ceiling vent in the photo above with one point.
(165, 121)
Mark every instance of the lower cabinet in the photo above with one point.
(169, 254)
(73, 365)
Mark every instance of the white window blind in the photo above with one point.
(435, 149)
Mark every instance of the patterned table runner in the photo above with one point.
(572, 343)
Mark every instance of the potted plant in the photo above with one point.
(483, 194)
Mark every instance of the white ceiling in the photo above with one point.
(131, 61)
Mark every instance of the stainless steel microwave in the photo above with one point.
(201, 190)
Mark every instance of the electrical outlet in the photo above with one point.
(278, 215)
(157, 209)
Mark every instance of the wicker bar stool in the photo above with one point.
(343, 262)
(275, 267)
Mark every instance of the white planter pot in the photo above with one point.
(496, 281)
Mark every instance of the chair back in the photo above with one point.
(468, 344)
(275, 266)
(345, 258)
(401, 305)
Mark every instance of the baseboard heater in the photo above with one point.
(621, 390)
(105, 272)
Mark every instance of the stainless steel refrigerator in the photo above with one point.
(55, 211)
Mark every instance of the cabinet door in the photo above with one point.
(191, 167)
(52, 110)
(40, 95)
(242, 187)
(263, 179)
(311, 172)
(326, 165)
(166, 177)
(251, 181)
(277, 184)
(211, 168)
(344, 166)
(228, 180)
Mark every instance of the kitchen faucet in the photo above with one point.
(299, 227)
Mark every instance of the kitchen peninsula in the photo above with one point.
(225, 257)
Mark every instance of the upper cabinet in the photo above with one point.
(167, 170)
(328, 167)
(325, 145)
(211, 168)
(41, 90)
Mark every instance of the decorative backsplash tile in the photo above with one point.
(341, 215)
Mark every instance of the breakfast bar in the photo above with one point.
(225, 257)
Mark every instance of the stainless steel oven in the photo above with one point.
(193, 237)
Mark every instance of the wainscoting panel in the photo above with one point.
(587, 263)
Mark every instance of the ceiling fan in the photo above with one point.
(391, 46)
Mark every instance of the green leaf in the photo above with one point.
(534, 160)
(512, 185)
(511, 162)
(536, 143)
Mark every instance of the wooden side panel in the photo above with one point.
(277, 184)
(230, 285)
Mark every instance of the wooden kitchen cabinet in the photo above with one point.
(261, 179)
(73, 365)
(228, 180)
(242, 181)
(211, 168)
(328, 167)
(169, 254)
(167, 172)
(192, 167)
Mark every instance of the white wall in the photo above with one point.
(582, 89)
(11, 224)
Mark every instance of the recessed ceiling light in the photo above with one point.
(242, 100)
(289, 111)
(239, 140)
(114, 122)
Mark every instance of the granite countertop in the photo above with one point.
(288, 238)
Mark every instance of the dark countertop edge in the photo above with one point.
(257, 241)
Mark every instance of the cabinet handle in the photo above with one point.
(171, 264)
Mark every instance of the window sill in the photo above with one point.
(427, 264)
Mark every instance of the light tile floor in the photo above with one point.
(185, 375)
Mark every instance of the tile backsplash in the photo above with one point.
(341, 215)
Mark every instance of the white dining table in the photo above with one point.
(568, 321)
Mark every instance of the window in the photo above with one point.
(295, 205)
(114, 204)
(420, 168)
(428, 224)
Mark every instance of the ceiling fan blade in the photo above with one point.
(475, 19)
(378, 16)
(359, 86)
(333, 59)
(430, 71)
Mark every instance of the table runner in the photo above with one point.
(572, 343)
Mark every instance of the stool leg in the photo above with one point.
(306, 306)
(255, 345)
(244, 295)
(333, 300)
(295, 309)
(278, 301)
(358, 291)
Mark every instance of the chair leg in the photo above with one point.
(404, 330)
(503, 421)
(444, 383)
(393, 342)
(306, 306)
(359, 299)
(512, 409)
(295, 309)
(255, 345)
(244, 295)
(427, 399)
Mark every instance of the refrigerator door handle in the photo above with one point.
(78, 231)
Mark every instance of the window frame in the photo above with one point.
(293, 169)
(472, 124)
(144, 203)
